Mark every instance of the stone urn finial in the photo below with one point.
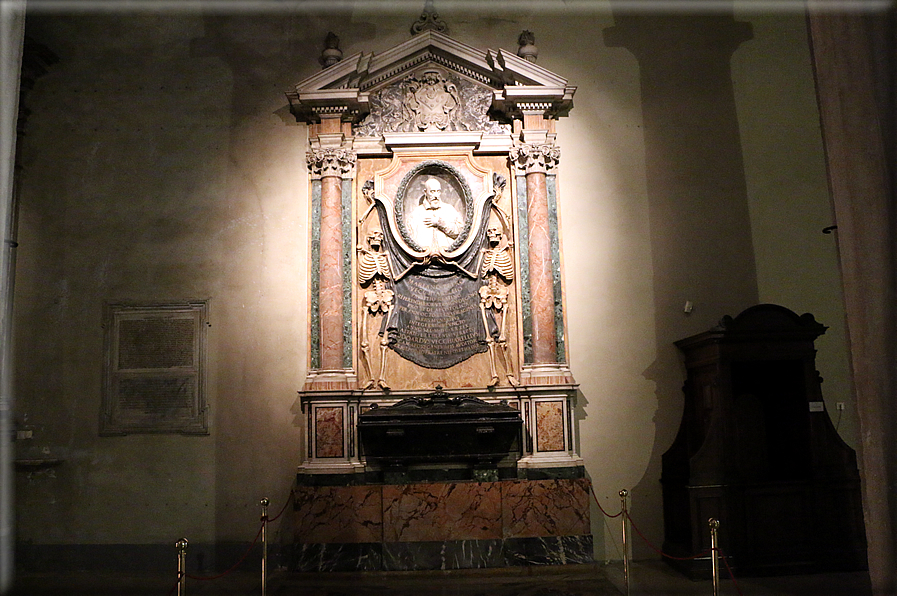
(428, 21)
(527, 50)
(331, 54)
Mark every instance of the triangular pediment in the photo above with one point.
(346, 86)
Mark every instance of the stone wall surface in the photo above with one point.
(160, 163)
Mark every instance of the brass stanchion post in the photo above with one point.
(625, 520)
(264, 504)
(714, 547)
(181, 545)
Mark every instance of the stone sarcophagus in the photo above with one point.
(439, 428)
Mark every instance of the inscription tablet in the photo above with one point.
(153, 380)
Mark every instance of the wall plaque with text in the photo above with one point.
(153, 377)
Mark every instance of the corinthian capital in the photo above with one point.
(331, 162)
(530, 159)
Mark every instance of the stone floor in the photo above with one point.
(647, 578)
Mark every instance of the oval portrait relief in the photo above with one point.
(434, 207)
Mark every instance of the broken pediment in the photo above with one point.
(431, 83)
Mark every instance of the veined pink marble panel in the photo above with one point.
(338, 514)
(550, 426)
(449, 511)
(330, 299)
(329, 432)
(541, 278)
(533, 508)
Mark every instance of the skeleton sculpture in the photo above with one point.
(374, 273)
(497, 270)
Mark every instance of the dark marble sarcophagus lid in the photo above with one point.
(439, 428)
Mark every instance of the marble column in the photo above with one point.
(853, 56)
(331, 167)
(534, 160)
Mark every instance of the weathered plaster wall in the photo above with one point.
(788, 194)
(161, 163)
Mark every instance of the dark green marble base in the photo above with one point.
(449, 554)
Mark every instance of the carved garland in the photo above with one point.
(435, 166)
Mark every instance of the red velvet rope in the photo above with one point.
(731, 575)
(660, 552)
(175, 586)
(289, 500)
(292, 495)
(246, 554)
(701, 554)
(595, 498)
(240, 562)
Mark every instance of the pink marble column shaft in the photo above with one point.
(330, 296)
(541, 281)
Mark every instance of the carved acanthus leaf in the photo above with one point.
(530, 159)
(331, 162)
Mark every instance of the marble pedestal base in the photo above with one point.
(448, 525)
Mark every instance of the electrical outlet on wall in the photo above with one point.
(840, 406)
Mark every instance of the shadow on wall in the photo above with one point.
(700, 228)
(268, 56)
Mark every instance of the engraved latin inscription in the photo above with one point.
(440, 321)
(154, 369)
(157, 397)
(155, 343)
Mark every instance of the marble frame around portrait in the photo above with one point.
(456, 192)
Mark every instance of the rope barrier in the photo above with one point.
(175, 586)
(704, 553)
(595, 498)
(240, 562)
(625, 514)
(290, 498)
(264, 521)
(663, 554)
(731, 575)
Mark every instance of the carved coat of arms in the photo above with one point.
(430, 102)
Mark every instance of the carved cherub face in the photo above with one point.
(493, 234)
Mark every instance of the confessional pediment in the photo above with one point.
(353, 86)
